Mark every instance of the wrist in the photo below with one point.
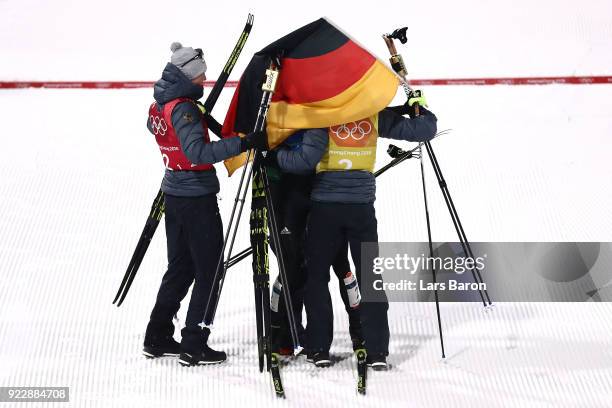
(244, 144)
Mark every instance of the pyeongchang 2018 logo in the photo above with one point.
(352, 134)
(158, 125)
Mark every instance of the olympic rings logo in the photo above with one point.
(158, 125)
(354, 130)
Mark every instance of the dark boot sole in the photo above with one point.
(187, 360)
(185, 363)
(151, 354)
(378, 366)
(320, 363)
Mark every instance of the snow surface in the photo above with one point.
(74, 205)
(79, 172)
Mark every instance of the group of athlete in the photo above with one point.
(324, 199)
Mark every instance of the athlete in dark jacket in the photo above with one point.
(343, 209)
(193, 224)
(291, 194)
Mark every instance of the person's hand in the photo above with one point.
(256, 140)
(269, 160)
(415, 98)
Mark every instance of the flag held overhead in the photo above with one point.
(326, 79)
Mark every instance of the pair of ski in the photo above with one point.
(259, 235)
(157, 208)
(263, 226)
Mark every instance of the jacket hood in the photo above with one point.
(174, 84)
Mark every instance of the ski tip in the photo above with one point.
(117, 297)
(279, 391)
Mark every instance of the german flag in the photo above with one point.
(325, 79)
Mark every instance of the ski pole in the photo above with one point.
(400, 155)
(211, 305)
(397, 63)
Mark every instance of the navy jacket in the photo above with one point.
(351, 186)
(174, 84)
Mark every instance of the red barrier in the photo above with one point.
(569, 80)
(90, 84)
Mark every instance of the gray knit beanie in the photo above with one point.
(189, 61)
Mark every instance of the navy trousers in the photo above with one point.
(330, 225)
(194, 235)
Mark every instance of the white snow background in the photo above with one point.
(79, 171)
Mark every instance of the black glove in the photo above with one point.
(256, 140)
(269, 159)
(416, 98)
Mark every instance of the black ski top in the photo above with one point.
(351, 186)
(172, 85)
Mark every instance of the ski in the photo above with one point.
(362, 370)
(157, 208)
(276, 379)
(211, 100)
(261, 274)
(263, 225)
(259, 234)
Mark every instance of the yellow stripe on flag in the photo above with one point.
(366, 97)
(371, 94)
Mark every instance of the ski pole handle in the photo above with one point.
(397, 63)
(271, 77)
(390, 44)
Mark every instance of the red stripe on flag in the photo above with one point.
(569, 80)
(305, 80)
